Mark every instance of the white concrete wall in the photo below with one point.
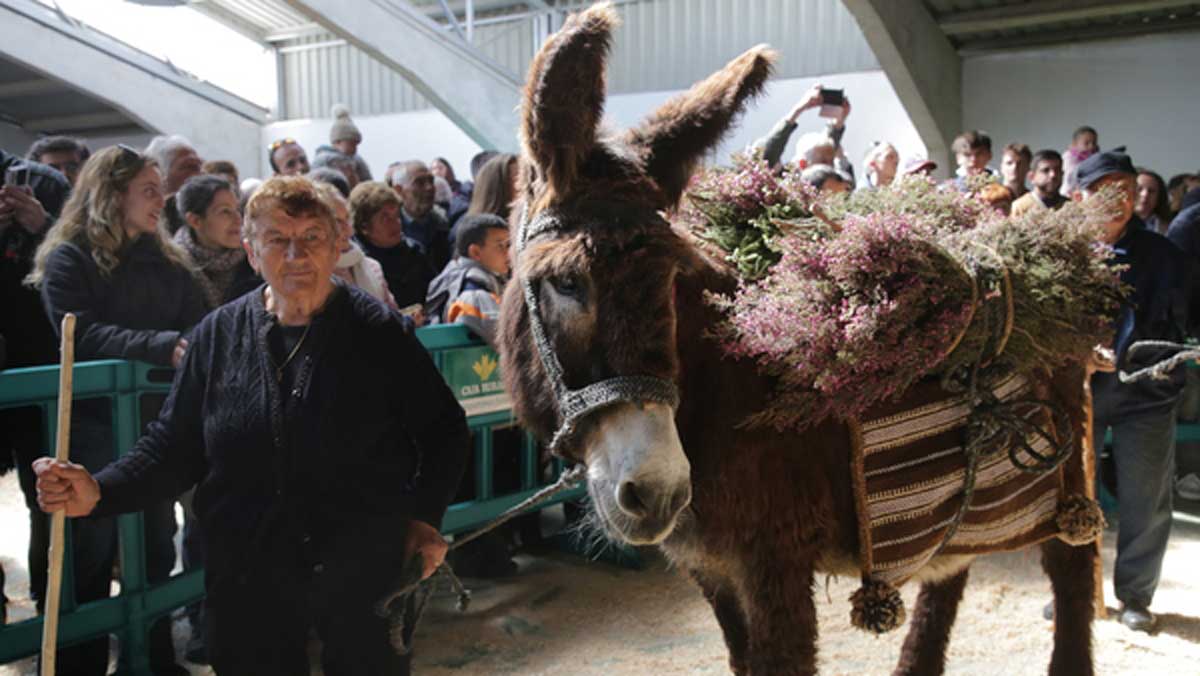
(1143, 93)
(876, 115)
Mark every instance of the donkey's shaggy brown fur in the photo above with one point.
(621, 293)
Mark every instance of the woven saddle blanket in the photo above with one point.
(909, 467)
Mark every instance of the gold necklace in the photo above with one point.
(279, 369)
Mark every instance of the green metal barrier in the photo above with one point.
(470, 368)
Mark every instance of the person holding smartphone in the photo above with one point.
(31, 197)
(135, 297)
(813, 148)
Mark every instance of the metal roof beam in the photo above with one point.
(479, 96)
(231, 19)
(1042, 12)
(922, 66)
(77, 123)
(1069, 36)
(13, 90)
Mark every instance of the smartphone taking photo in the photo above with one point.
(17, 175)
(831, 102)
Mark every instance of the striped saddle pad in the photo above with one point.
(909, 467)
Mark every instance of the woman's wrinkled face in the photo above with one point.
(221, 225)
(295, 255)
(385, 230)
(142, 202)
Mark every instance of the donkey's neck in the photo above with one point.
(712, 385)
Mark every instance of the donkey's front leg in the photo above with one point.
(722, 596)
(781, 616)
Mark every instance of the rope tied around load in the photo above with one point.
(404, 605)
(993, 422)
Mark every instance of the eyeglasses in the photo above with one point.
(307, 242)
(275, 145)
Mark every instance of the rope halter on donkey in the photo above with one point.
(575, 405)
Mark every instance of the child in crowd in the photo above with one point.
(468, 290)
(1085, 142)
(344, 139)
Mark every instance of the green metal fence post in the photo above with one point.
(135, 654)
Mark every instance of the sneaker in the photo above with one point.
(1188, 487)
(1137, 618)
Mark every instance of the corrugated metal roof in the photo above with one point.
(265, 16)
(661, 45)
(975, 25)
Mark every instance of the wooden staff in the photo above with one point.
(58, 522)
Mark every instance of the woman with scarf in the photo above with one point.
(353, 266)
(213, 239)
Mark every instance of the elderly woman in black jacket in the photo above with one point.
(134, 297)
(323, 444)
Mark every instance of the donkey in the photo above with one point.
(606, 349)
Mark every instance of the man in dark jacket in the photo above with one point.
(424, 222)
(26, 212)
(25, 215)
(323, 444)
(1140, 414)
(1185, 227)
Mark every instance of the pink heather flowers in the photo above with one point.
(892, 285)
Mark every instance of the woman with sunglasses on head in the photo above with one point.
(134, 297)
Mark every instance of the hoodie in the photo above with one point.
(466, 293)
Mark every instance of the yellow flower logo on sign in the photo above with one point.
(485, 367)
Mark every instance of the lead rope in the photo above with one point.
(1161, 370)
(404, 606)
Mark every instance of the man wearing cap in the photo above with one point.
(1141, 414)
(344, 139)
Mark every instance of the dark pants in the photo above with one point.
(93, 541)
(258, 620)
(1143, 454)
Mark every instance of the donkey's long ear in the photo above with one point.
(674, 138)
(564, 96)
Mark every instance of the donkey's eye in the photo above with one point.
(567, 285)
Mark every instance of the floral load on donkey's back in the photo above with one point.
(850, 299)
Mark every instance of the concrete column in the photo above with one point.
(922, 66)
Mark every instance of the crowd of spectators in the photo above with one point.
(141, 244)
(1155, 237)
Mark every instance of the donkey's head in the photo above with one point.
(588, 323)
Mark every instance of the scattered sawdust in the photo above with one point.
(563, 615)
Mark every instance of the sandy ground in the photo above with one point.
(562, 614)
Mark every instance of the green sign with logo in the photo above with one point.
(473, 374)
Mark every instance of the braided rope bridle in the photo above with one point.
(575, 405)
